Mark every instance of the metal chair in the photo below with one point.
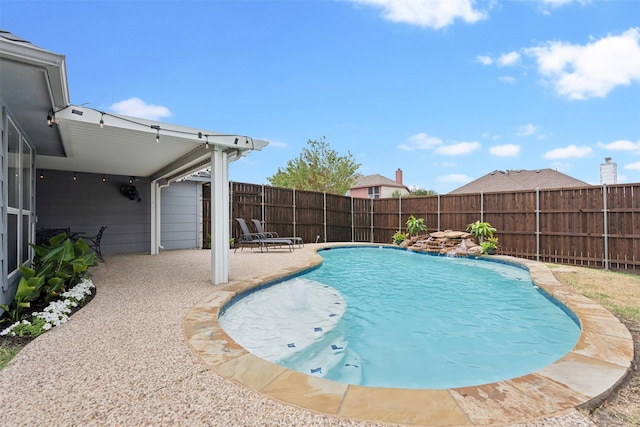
(94, 242)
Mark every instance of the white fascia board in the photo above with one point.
(54, 63)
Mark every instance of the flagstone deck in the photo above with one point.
(583, 378)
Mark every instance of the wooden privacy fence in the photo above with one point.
(596, 226)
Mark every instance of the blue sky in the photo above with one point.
(447, 91)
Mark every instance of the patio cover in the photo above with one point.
(164, 152)
(33, 85)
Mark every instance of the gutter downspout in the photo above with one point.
(156, 216)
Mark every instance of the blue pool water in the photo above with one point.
(392, 318)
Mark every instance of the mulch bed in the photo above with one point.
(22, 341)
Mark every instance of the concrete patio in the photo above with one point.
(124, 360)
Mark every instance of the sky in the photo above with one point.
(446, 90)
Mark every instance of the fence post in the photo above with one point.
(439, 212)
(371, 227)
(262, 203)
(353, 223)
(481, 207)
(324, 208)
(537, 224)
(231, 217)
(294, 213)
(400, 212)
(606, 226)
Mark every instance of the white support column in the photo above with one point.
(219, 216)
(155, 220)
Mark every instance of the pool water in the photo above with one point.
(392, 318)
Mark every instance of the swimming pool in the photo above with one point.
(394, 318)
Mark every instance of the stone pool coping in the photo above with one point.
(584, 377)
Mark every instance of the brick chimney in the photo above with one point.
(399, 176)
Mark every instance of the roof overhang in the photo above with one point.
(33, 82)
(130, 146)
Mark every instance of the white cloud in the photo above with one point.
(507, 150)
(420, 141)
(427, 13)
(444, 164)
(635, 166)
(458, 149)
(491, 136)
(278, 144)
(591, 70)
(557, 3)
(138, 108)
(507, 79)
(568, 152)
(527, 130)
(621, 145)
(484, 59)
(455, 178)
(508, 59)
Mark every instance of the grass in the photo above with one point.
(617, 292)
(8, 351)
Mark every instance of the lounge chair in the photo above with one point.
(259, 239)
(272, 234)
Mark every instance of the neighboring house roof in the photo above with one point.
(514, 180)
(376, 180)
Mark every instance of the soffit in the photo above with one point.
(127, 145)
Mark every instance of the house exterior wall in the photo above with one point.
(7, 288)
(385, 192)
(87, 203)
(181, 212)
(361, 193)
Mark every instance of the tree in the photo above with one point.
(318, 168)
(414, 192)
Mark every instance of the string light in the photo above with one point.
(75, 177)
(104, 178)
(156, 127)
(41, 175)
(51, 120)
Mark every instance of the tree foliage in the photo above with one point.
(318, 168)
(414, 192)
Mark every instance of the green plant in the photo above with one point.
(28, 291)
(63, 264)
(481, 230)
(415, 226)
(399, 237)
(489, 245)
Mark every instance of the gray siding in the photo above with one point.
(88, 203)
(180, 222)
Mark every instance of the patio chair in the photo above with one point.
(94, 242)
(259, 239)
(273, 234)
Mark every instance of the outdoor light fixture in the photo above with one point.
(41, 175)
(75, 177)
(131, 179)
(50, 117)
(156, 127)
(104, 178)
(102, 121)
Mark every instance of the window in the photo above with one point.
(20, 198)
(374, 192)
